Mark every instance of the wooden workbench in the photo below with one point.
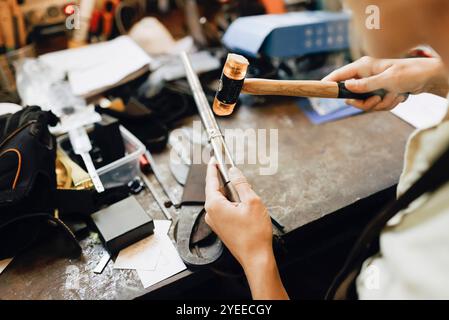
(322, 168)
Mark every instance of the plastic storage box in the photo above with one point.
(124, 169)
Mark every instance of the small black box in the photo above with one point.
(122, 224)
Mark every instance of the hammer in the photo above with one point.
(233, 81)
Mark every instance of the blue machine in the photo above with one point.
(289, 35)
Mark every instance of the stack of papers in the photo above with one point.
(95, 68)
(155, 258)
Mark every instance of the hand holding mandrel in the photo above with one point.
(233, 82)
(215, 137)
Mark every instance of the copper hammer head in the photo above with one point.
(230, 85)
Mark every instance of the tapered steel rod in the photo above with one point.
(215, 137)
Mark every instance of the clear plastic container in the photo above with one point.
(125, 169)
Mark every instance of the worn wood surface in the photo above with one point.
(293, 88)
(320, 170)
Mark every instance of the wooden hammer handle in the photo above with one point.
(295, 88)
(304, 88)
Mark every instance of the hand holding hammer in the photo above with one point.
(233, 82)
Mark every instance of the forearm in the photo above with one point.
(437, 82)
(264, 279)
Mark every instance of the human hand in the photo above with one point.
(415, 75)
(245, 227)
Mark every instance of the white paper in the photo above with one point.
(97, 66)
(162, 226)
(144, 254)
(6, 107)
(4, 263)
(423, 110)
(169, 264)
(152, 36)
(140, 255)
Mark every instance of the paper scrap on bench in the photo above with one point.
(169, 263)
(4, 263)
(97, 67)
(422, 111)
(145, 253)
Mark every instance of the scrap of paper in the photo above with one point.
(422, 111)
(140, 255)
(169, 264)
(144, 254)
(4, 263)
(162, 226)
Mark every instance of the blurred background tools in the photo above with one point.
(7, 26)
(12, 26)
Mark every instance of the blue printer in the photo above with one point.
(289, 35)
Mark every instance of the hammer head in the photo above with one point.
(231, 83)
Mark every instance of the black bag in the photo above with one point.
(27, 180)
